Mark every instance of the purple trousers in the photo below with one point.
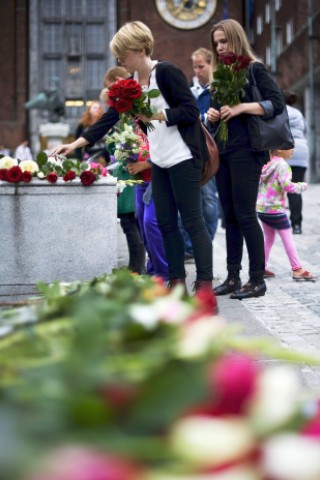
(152, 237)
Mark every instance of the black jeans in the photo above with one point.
(238, 182)
(295, 199)
(137, 253)
(177, 189)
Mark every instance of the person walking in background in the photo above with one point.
(23, 151)
(240, 167)
(92, 114)
(202, 67)
(275, 183)
(177, 148)
(300, 159)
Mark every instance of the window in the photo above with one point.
(268, 13)
(96, 71)
(277, 5)
(52, 74)
(289, 32)
(95, 39)
(74, 8)
(52, 8)
(268, 56)
(259, 25)
(52, 38)
(279, 44)
(94, 8)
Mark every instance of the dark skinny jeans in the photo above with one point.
(238, 182)
(177, 189)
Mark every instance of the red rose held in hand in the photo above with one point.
(123, 105)
(87, 177)
(131, 89)
(14, 175)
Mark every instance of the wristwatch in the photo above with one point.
(186, 14)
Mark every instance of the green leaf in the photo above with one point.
(42, 159)
(154, 93)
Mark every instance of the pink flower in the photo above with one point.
(81, 463)
(233, 380)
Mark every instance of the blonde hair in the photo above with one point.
(236, 37)
(133, 36)
(203, 52)
(114, 73)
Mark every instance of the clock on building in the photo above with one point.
(186, 14)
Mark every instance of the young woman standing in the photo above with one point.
(177, 150)
(240, 167)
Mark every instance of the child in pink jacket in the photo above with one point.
(275, 182)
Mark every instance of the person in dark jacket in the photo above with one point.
(240, 167)
(177, 149)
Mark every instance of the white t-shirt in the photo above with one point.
(167, 147)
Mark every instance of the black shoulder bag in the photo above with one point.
(271, 134)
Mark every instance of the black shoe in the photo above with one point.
(231, 284)
(250, 290)
(296, 229)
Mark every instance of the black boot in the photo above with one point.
(231, 284)
(254, 288)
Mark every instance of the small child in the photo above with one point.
(275, 182)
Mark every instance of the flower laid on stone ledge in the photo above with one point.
(52, 168)
(120, 379)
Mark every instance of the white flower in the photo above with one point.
(212, 441)
(197, 336)
(40, 175)
(292, 457)
(29, 166)
(8, 162)
(276, 398)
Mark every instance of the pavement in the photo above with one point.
(290, 310)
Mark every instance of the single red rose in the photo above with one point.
(228, 58)
(233, 381)
(131, 89)
(3, 174)
(115, 90)
(52, 177)
(70, 175)
(123, 105)
(87, 177)
(14, 174)
(26, 177)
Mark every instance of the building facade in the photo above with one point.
(63, 46)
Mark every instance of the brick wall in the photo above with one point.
(13, 78)
(171, 43)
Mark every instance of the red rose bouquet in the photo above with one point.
(228, 84)
(128, 98)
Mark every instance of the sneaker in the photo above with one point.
(268, 274)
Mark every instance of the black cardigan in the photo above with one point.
(183, 112)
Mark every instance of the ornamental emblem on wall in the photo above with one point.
(186, 14)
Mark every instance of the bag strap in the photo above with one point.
(250, 70)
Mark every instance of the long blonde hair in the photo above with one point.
(237, 39)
